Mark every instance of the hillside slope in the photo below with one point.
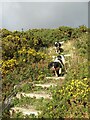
(39, 94)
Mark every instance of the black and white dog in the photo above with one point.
(57, 66)
(58, 47)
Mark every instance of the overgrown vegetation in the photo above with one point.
(71, 100)
(25, 58)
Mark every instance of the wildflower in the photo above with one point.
(24, 60)
(85, 78)
(50, 107)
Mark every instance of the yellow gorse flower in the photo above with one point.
(78, 88)
(8, 64)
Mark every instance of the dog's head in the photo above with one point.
(56, 44)
(59, 44)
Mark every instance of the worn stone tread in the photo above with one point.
(32, 95)
(46, 85)
(24, 111)
(56, 78)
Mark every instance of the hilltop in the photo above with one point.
(26, 56)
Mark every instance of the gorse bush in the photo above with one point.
(8, 65)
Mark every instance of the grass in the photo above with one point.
(28, 87)
(37, 104)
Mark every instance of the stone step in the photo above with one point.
(32, 95)
(67, 55)
(56, 78)
(46, 85)
(24, 111)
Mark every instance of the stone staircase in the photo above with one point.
(36, 98)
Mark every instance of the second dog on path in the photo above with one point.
(58, 47)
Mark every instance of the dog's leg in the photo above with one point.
(53, 73)
(56, 74)
(60, 70)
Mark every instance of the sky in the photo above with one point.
(28, 15)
